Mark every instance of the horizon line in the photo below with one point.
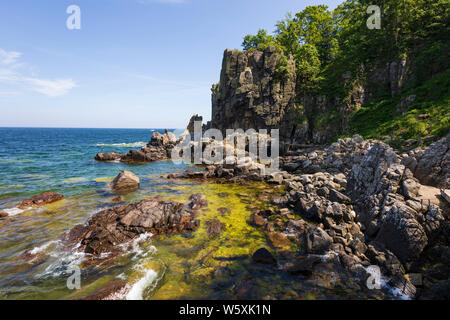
(43, 127)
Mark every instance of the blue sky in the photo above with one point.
(133, 64)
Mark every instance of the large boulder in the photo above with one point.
(317, 240)
(400, 232)
(40, 199)
(125, 181)
(107, 230)
(433, 166)
(159, 139)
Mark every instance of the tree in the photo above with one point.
(259, 41)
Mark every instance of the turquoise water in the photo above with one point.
(34, 160)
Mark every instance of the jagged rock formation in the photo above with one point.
(254, 94)
(158, 148)
(110, 228)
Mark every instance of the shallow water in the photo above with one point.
(37, 160)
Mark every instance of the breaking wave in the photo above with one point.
(122, 145)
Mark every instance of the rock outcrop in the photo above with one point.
(158, 148)
(125, 181)
(432, 166)
(254, 94)
(107, 230)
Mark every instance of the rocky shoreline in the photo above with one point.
(346, 207)
(362, 202)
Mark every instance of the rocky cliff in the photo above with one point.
(256, 90)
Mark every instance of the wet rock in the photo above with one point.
(125, 181)
(117, 199)
(296, 226)
(108, 156)
(439, 291)
(405, 287)
(302, 265)
(349, 260)
(278, 240)
(247, 289)
(197, 201)
(108, 229)
(223, 210)
(3, 214)
(263, 256)
(317, 240)
(415, 278)
(223, 194)
(40, 199)
(215, 227)
(385, 259)
(107, 291)
(33, 257)
(257, 220)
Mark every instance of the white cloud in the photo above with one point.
(13, 74)
(52, 88)
(7, 58)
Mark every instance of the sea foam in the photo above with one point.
(137, 289)
(122, 145)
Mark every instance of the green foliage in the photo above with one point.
(428, 116)
(334, 50)
(260, 41)
(431, 61)
(308, 68)
(283, 71)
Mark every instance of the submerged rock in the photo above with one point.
(108, 156)
(125, 181)
(215, 227)
(263, 256)
(40, 200)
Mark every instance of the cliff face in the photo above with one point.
(256, 90)
(327, 116)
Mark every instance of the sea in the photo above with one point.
(35, 160)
